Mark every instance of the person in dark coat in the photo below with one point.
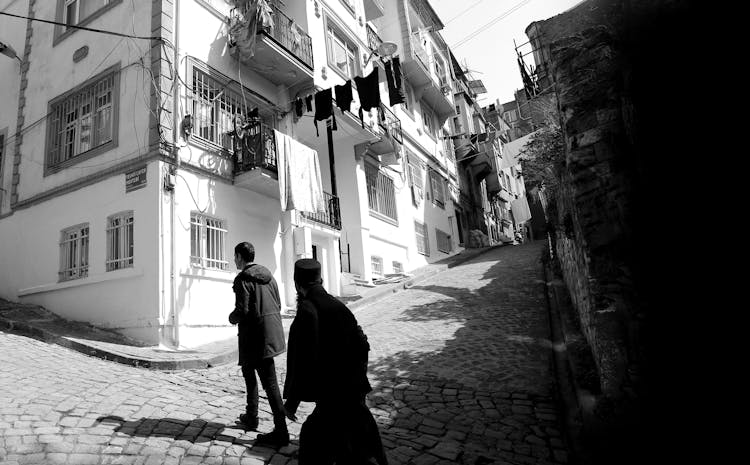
(257, 314)
(327, 364)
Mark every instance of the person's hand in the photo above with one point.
(290, 410)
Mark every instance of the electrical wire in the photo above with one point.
(73, 26)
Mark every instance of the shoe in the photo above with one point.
(248, 422)
(274, 438)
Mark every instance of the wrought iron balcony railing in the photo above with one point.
(256, 148)
(332, 215)
(392, 124)
(291, 37)
(373, 39)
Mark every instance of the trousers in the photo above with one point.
(267, 373)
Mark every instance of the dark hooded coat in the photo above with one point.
(257, 313)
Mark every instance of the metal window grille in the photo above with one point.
(119, 241)
(381, 193)
(377, 265)
(74, 253)
(208, 237)
(423, 241)
(443, 241)
(398, 267)
(215, 108)
(82, 121)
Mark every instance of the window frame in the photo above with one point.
(202, 260)
(81, 271)
(429, 115)
(446, 239)
(437, 178)
(409, 102)
(62, 32)
(379, 260)
(425, 238)
(115, 72)
(338, 32)
(128, 257)
(399, 268)
(376, 212)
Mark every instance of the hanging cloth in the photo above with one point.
(369, 92)
(324, 108)
(344, 96)
(298, 107)
(300, 182)
(308, 102)
(393, 77)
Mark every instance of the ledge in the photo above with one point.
(100, 278)
(211, 275)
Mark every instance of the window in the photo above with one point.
(343, 55)
(423, 241)
(380, 192)
(120, 241)
(428, 122)
(82, 123)
(208, 239)
(437, 187)
(398, 267)
(74, 252)
(443, 241)
(377, 265)
(79, 12)
(416, 178)
(215, 107)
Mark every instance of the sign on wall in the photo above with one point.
(135, 179)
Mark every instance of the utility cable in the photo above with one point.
(73, 26)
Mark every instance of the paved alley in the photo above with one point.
(460, 365)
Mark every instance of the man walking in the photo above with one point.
(257, 314)
(327, 364)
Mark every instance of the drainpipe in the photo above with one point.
(175, 140)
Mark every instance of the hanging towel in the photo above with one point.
(300, 186)
(298, 107)
(520, 209)
(393, 76)
(324, 108)
(308, 101)
(344, 96)
(369, 92)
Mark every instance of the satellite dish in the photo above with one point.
(387, 49)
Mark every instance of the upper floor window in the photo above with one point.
(381, 193)
(79, 12)
(437, 186)
(343, 54)
(83, 121)
(408, 105)
(422, 238)
(428, 122)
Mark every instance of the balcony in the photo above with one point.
(435, 90)
(390, 133)
(281, 51)
(373, 9)
(255, 160)
(332, 215)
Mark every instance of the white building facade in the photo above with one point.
(124, 192)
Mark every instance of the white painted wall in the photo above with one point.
(13, 34)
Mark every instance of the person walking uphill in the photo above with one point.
(327, 364)
(257, 314)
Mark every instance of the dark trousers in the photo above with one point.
(267, 374)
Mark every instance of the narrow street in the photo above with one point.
(460, 365)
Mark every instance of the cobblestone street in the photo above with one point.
(460, 365)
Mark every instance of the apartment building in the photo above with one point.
(132, 164)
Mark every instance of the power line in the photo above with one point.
(73, 26)
(491, 23)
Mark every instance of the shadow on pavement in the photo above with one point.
(195, 431)
(487, 394)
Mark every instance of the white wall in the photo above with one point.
(124, 299)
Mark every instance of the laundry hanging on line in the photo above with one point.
(344, 96)
(300, 182)
(393, 77)
(369, 93)
(324, 108)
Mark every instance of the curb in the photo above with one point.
(404, 285)
(165, 365)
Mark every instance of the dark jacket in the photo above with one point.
(257, 313)
(327, 357)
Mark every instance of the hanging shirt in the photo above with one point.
(298, 107)
(393, 77)
(308, 101)
(324, 108)
(369, 92)
(344, 96)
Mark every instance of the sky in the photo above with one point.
(494, 24)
